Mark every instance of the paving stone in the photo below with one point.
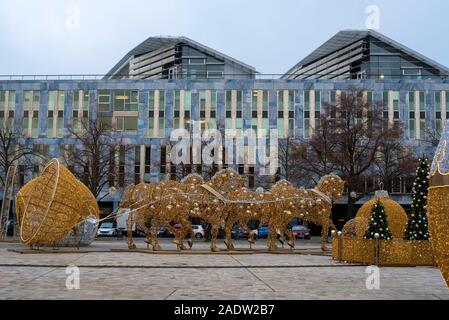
(131, 275)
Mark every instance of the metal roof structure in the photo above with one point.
(347, 37)
(154, 43)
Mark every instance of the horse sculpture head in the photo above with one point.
(332, 186)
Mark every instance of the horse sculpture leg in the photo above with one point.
(324, 235)
(248, 232)
(185, 229)
(228, 231)
(214, 234)
(271, 239)
(154, 239)
(179, 238)
(291, 239)
(148, 239)
(129, 231)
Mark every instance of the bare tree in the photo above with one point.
(347, 141)
(315, 155)
(394, 159)
(288, 151)
(92, 158)
(432, 137)
(13, 152)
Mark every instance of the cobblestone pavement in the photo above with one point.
(131, 275)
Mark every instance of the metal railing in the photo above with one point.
(237, 76)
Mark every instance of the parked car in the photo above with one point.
(107, 229)
(198, 231)
(301, 232)
(238, 232)
(161, 232)
(263, 231)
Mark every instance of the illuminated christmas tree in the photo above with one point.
(417, 228)
(378, 226)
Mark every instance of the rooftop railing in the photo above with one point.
(257, 76)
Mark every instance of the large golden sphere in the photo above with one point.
(396, 217)
(50, 206)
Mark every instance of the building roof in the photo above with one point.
(347, 37)
(154, 43)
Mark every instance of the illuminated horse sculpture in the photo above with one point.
(175, 203)
(279, 206)
(223, 202)
(313, 205)
(171, 201)
(137, 198)
(246, 205)
(213, 201)
(141, 199)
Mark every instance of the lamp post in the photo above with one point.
(376, 249)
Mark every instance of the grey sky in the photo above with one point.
(269, 35)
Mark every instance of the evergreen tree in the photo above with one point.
(417, 228)
(378, 223)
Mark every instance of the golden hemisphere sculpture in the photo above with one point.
(52, 205)
(396, 218)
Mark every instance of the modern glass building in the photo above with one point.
(178, 58)
(145, 100)
(367, 54)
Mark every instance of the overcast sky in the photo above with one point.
(44, 36)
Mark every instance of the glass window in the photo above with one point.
(280, 101)
(55, 98)
(126, 123)
(437, 101)
(422, 103)
(291, 100)
(25, 125)
(60, 127)
(422, 129)
(11, 103)
(228, 100)
(104, 100)
(307, 101)
(306, 128)
(2, 100)
(291, 127)
(177, 105)
(35, 128)
(317, 101)
(280, 127)
(161, 132)
(265, 100)
(84, 100)
(130, 123)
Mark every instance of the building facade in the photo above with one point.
(144, 111)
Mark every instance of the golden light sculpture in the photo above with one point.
(224, 202)
(170, 201)
(246, 205)
(312, 205)
(438, 205)
(396, 217)
(213, 201)
(350, 245)
(52, 205)
(137, 198)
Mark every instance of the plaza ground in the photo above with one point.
(106, 274)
